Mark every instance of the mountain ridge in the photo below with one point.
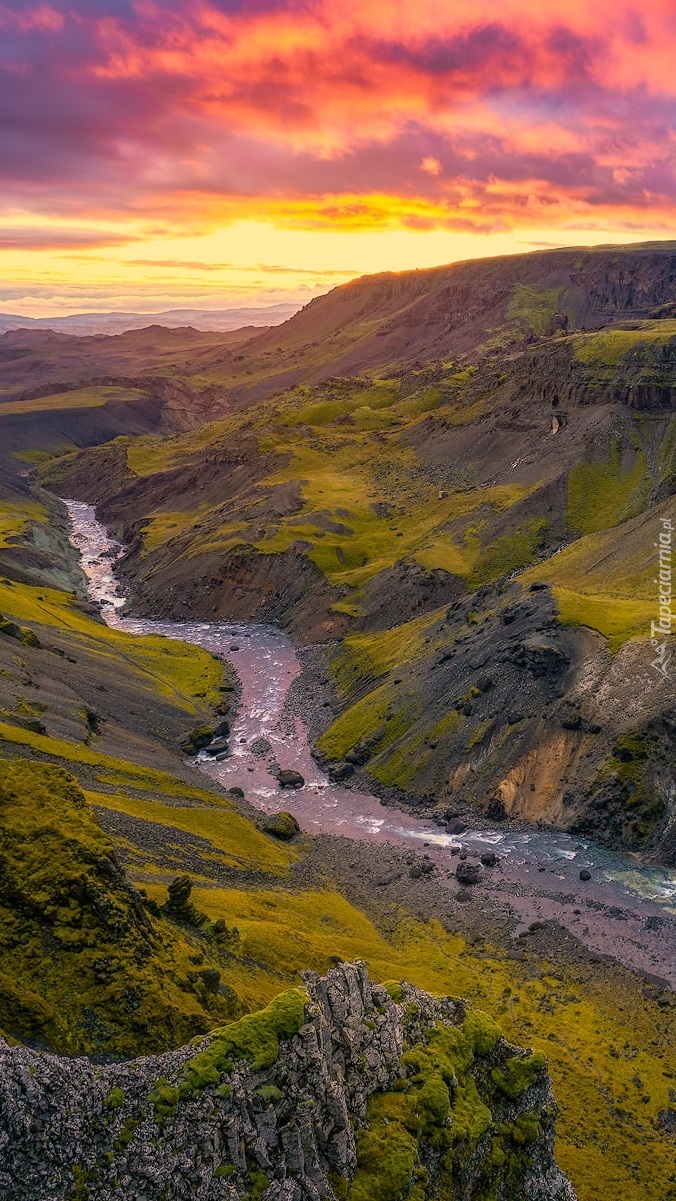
(117, 322)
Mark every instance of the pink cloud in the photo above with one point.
(472, 114)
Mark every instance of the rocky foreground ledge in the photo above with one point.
(342, 1091)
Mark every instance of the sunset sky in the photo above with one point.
(204, 154)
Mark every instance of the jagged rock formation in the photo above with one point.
(349, 1090)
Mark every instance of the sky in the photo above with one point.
(202, 153)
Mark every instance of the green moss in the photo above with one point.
(510, 553)
(433, 1119)
(608, 347)
(479, 733)
(114, 1099)
(81, 398)
(254, 1037)
(519, 1074)
(183, 675)
(269, 1094)
(17, 518)
(483, 1031)
(258, 1182)
(535, 306)
(387, 1156)
(126, 1134)
(395, 990)
(629, 773)
(602, 494)
(523, 1130)
(164, 1098)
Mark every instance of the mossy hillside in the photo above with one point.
(186, 676)
(410, 726)
(368, 501)
(362, 659)
(17, 518)
(608, 1051)
(254, 1038)
(508, 554)
(92, 397)
(625, 792)
(84, 761)
(617, 619)
(85, 966)
(332, 446)
(282, 933)
(603, 494)
(605, 580)
(233, 840)
(603, 351)
(347, 480)
(534, 306)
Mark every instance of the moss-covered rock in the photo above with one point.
(339, 1091)
(282, 825)
(23, 634)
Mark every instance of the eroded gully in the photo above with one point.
(627, 910)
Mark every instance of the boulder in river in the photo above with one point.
(585, 874)
(489, 859)
(219, 746)
(260, 746)
(282, 825)
(288, 778)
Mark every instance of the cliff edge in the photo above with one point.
(343, 1091)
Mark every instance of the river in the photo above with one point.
(627, 910)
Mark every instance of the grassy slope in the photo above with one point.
(85, 967)
(80, 398)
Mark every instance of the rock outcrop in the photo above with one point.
(346, 1090)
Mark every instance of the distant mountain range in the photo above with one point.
(215, 320)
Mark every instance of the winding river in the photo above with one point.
(626, 911)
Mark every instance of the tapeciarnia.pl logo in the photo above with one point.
(663, 627)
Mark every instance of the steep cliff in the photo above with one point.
(348, 1090)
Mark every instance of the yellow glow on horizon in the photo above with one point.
(139, 266)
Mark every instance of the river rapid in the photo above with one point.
(627, 910)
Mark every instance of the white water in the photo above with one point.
(267, 664)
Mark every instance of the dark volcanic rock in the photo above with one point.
(496, 811)
(489, 859)
(468, 873)
(456, 826)
(290, 779)
(219, 746)
(340, 771)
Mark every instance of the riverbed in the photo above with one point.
(626, 910)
